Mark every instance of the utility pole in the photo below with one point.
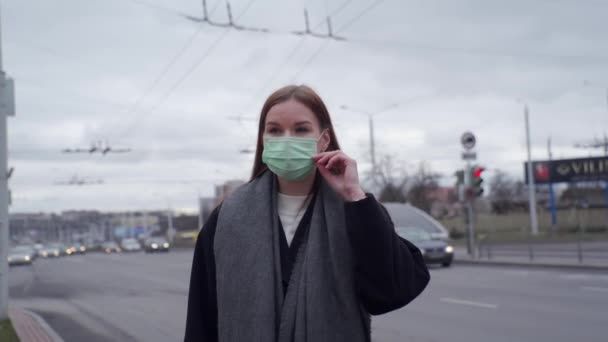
(7, 108)
(552, 194)
(531, 187)
(372, 144)
(170, 230)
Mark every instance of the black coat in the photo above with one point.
(390, 271)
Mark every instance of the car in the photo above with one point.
(49, 252)
(20, 255)
(110, 247)
(78, 248)
(156, 244)
(405, 215)
(130, 245)
(29, 249)
(434, 251)
(63, 249)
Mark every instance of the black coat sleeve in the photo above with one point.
(390, 271)
(201, 321)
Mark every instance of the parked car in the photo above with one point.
(63, 249)
(156, 244)
(130, 245)
(20, 255)
(434, 251)
(110, 247)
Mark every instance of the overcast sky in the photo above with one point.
(138, 74)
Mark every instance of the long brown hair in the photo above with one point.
(306, 96)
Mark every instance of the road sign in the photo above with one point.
(468, 140)
(467, 155)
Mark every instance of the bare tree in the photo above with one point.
(390, 178)
(504, 192)
(421, 184)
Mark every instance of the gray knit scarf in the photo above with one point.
(321, 303)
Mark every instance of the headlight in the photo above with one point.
(166, 245)
(108, 250)
(27, 258)
(154, 245)
(45, 254)
(449, 249)
(56, 253)
(82, 249)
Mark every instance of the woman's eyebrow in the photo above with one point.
(272, 123)
(303, 123)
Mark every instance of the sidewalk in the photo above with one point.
(31, 327)
(523, 260)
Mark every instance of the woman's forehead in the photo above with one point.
(291, 112)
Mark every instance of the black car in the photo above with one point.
(156, 244)
(434, 251)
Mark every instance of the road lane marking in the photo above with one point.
(518, 273)
(593, 288)
(469, 303)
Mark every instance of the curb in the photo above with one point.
(531, 265)
(31, 327)
(44, 325)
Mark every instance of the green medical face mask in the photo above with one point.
(290, 157)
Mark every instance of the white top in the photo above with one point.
(291, 209)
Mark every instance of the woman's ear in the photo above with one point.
(324, 141)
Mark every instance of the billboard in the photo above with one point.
(569, 170)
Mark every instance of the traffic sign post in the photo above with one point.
(468, 142)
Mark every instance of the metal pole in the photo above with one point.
(470, 215)
(552, 194)
(4, 218)
(531, 187)
(200, 212)
(372, 144)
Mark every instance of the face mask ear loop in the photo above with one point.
(327, 129)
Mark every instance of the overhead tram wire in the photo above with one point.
(185, 76)
(166, 69)
(293, 52)
(324, 45)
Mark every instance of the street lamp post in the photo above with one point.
(605, 142)
(372, 143)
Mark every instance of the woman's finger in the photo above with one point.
(325, 157)
(336, 160)
(326, 173)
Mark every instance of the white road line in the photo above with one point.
(518, 273)
(596, 289)
(470, 303)
(585, 277)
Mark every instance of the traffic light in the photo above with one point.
(477, 181)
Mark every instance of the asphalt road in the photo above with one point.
(139, 297)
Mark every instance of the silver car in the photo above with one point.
(20, 255)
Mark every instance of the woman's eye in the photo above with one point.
(302, 130)
(272, 130)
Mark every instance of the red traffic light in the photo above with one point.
(478, 171)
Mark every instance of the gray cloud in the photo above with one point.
(81, 66)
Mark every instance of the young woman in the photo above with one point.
(300, 253)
